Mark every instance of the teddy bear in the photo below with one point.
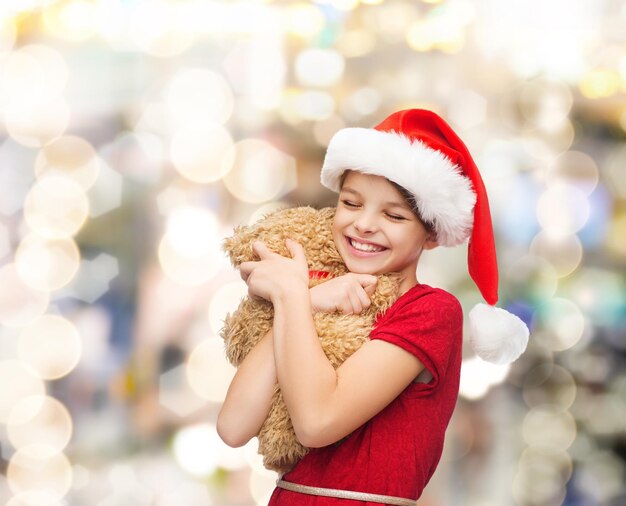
(340, 334)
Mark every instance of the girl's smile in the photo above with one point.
(375, 229)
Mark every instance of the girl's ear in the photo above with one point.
(430, 242)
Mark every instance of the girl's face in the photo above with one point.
(375, 230)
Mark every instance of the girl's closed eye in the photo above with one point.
(349, 203)
(396, 217)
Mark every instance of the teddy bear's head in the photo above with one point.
(306, 225)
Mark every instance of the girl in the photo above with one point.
(376, 424)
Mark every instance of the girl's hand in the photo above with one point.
(275, 275)
(348, 294)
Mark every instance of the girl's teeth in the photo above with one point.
(364, 247)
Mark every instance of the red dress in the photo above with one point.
(396, 452)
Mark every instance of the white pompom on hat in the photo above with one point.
(418, 150)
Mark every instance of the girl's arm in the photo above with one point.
(249, 395)
(327, 404)
(324, 404)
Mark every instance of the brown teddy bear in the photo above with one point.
(340, 334)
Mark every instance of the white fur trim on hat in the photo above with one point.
(444, 196)
(497, 336)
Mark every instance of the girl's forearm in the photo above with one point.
(307, 379)
(249, 396)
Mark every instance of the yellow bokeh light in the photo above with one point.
(420, 36)
(600, 83)
(20, 304)
(72, 20)
(36, 498)
(208, 371)
(196, 449)
(39, 420)
(38, 468)
(260, 173)
(355, 43)
(56, 207)
(69, 156)
(197, 95)
(50, 346)
(575, 168)
(16, 383)
(203, 153)
(47, 264)
(344, 5)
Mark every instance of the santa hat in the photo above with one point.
(418, 150)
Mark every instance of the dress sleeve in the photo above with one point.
(429, 327)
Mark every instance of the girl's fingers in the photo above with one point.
(296, 249)
(245, 268)
(355, 302)
(364, 298)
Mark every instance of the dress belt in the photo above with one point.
(345, 494)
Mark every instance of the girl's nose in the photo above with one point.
(365, 223)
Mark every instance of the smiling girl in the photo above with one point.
(376, 424)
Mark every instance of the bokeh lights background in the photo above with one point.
(134, 134)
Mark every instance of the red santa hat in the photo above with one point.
(418, 150)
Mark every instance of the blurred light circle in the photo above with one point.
(192, 230)
(355, 43)
(39, 420)
(548, 143)
(545, 103)
(72, 20)
(203, 153)
(530, 278)
(157, 29)
(600, 83)
(39, 468)
(564, 322)
(600, 295)
(541, 478)
(69, 156)
(186, 493)
(615, 238)
(319, 67)
(50, 347)
(344, 5)
(549, 429)
(226, 299)
(196, 449)
(36, 124)
(20, 304)
(260, 173)
(575, 169)
(56, 207)
(420, 36)
(34, 74)
(363, 102)
(189, 252)
(562, 210)
(564, 253)
(467, 109)
(478, 376)
(47, 264)
(549, 384)
(53, 64)
(36, 498)
(208, 371)
(304, 19)
(16, 383)
(199, 95)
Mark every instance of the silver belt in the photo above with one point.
(345, 494)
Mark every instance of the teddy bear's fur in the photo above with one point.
(340, 335)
